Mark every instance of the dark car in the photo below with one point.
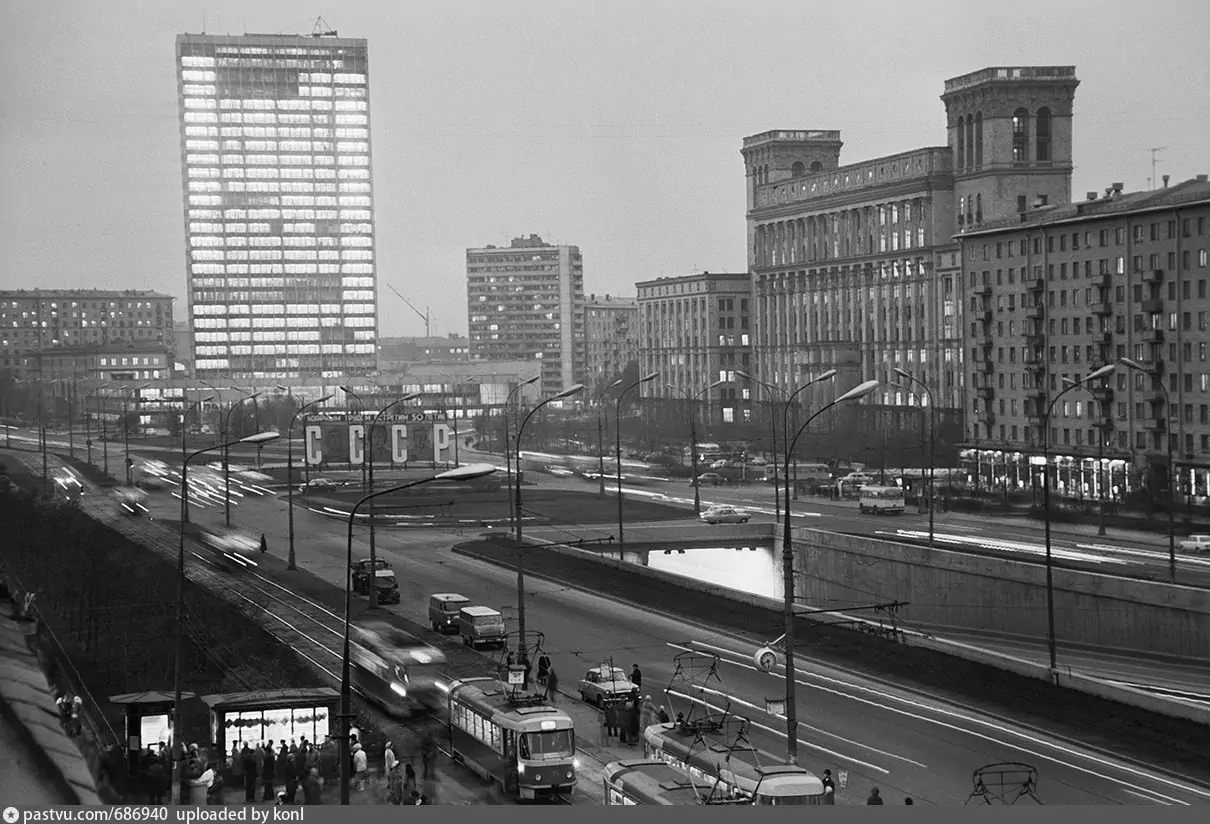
(361, 574)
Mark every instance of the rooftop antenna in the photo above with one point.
(203, 21)
(1153, 153)
(322, 29)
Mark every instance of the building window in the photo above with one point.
(1020, 136)
(962, 143)
(797, 170)
(1042, 135)
(978, 139)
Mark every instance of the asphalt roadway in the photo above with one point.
(879, 734)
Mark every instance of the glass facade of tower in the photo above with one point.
(279, 221)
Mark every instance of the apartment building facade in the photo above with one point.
(696, 330)
(610, 342)
(278, 205)
(855, 267)
(42, 320)
(1059, 291)
(526, 301)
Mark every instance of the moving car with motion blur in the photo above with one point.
(396, 670)
(131, 501)
(726, 515)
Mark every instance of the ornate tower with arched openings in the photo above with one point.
(1010, 136)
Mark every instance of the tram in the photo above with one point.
(740, 771)
(395, 669)
(638, 782)
(519, 742)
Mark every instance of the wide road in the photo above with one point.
(882, 735)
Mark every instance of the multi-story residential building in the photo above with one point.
(610, 343)
(397, 354)
(1056, 292)
(855, 266)
(278, 202)
(39, 320)
(526, 301)
(696, 330)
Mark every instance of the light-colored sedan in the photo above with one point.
(601, 684)
(1196, 544)
(726, 515)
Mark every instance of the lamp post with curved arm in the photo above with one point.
(457, 399)
(87, 429)
(178, 744)
(1050, 589)
(362, 406)
(367, 449)
(787, 564)
(464, 473)
(185, 453)
(1135, 366)
(566, 393)
(292, 562)
(508, 457)
(928, 393)
(126, 426)
(227, 456)
(618, 417)
(692, 398)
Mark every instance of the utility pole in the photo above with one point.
(1154, 151)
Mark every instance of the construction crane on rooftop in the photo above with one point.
(423, 315)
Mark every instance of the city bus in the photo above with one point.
(882, 500)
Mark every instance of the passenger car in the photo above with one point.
(709, 478)
(725, 515)
(1196, 544)
(605, 683)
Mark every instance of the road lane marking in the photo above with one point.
(1088, 756)
(1147, 797)
(779, 733)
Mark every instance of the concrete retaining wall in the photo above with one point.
(953, 589)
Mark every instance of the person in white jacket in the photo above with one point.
(388, 759)
(359, 767)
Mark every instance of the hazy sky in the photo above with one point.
(615, 126)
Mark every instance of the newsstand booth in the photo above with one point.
(149, 717)
(271, 715)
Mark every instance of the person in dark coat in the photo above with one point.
(266, 776)
(291, 780)
(634, 718)
(428, 753)
(552, 686)
(875, 798)
(611, 719)
(312, 790)
(829, 788)
(156, 779)
(543, 668)
(283, 758)
(664, 719)
(248, 766)
(636, 676)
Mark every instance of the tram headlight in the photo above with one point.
(575, 764)
(520, 769)
(399, 689)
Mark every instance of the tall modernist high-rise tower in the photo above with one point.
(279, 220)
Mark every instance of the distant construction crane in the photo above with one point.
(423, 315)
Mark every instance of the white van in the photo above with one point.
(482, 627)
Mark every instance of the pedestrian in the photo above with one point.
(611, 719)
(279, 764)
(388, 759)
(360, 767)
(266, 776)
(248, 768)
(154, 772)
(664, 719)
(552, 686)
(633, 717)
(212, 780)
(311, 760)
(312, 789)
(525, 662)
(428, 754)
(395, 784)
(908, 801)
(647, 715)
(264, 547)
(543, 669)
(875, 798)
(829, 788)
(237, 763)
(409, 776)
(291, 779)
(636, 676)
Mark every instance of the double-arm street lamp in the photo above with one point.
(462, 473)
(618, 417)
(292, 563)
(227, 456)
(178, 746)
(1135, 366)
(692, 397)
(787, 565)
(566, 393)
(508, 457)
(126, 426)
(367, 449)
(932, 412)
(1095, 375)
(457, 404)
(185, 453)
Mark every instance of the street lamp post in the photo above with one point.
(1135, 366)
(178, 746)
(692, 398)
(1096, 374)
(464, 473)
(787, 564)
(87, 429)
(457, 398)
(291, 562)
(184, 453)
(1099, 427)
(508, 457)
(227, 456)
(566, 393)
(367, 448)
(618, 442)
(928, 393)
(126, 425)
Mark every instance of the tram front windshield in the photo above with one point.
(787, 800)
(547, 746)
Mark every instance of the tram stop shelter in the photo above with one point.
(238, 718)
(148, 721)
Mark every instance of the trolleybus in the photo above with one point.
(524, 745)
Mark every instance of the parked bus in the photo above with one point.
(882, 500)
(519, 742)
